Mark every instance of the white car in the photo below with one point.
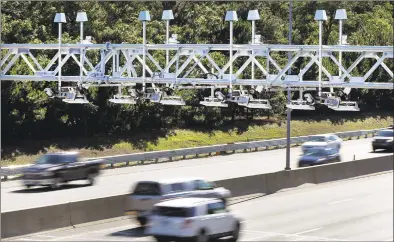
(193, 219)
(146, 194)
(323, 141)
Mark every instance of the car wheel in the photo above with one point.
(56, 183)
(161, 239)
(142, 221)
(91, 178)
(235, 233)
(202, 237)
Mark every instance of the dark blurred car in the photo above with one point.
(383, 140)
(319, 156)
(54, 169)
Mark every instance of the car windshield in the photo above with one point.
(318, 139)
(316, 152)
(147, 189)
(53, 159)
(174, 211)
(386, 133)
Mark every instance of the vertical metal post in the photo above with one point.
(60, 57)
(320, 54)
(253, 41)
(340, 43)
(290, 32)
(231, 56)
(288, 133)
(81, 54)
(144, 54)
(102, 52)
(113, 62)
(117, 61)
(167, 37)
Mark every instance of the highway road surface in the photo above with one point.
(119, 181)
(359, 209)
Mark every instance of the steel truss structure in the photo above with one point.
(187, 58)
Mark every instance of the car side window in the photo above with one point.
(204, 185)
(66, 159)
(217, 207)
(331, 138)
(177, 187)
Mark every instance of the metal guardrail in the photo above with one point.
(169, 154)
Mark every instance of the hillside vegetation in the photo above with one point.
(28, 114)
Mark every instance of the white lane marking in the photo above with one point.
(25, 239)
(307, 231)
(341, 201)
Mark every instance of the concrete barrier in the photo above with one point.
(97, 209)
(241, 186)
(34, 220)
(17, 223)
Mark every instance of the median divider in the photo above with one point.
(35, 220)
(17, 223)
(97, 209)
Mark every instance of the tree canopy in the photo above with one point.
(27, 113)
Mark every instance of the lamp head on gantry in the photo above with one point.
(340, 14)
(253, 15)
(167, 15)
(144, 16)
(82, 17)
(320, 15)
(60, 18)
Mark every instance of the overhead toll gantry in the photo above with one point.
(125, 66)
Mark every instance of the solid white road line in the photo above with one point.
(307, 231)
(341, 201)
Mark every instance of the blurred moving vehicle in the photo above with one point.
(383, 140)
(318, 156)
(56, 168)
(147, 193)
(193, 219)
(323, 141)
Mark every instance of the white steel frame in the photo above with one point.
(128, 74)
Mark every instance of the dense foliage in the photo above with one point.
(27, 113)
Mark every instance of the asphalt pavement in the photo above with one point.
(120, 180)
(359, 209)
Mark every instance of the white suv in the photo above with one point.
(146, 194)
(192, 219)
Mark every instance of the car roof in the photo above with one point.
(324, 135)
(173, 180)
(187, 202)
(386, 130)
(64, 153)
